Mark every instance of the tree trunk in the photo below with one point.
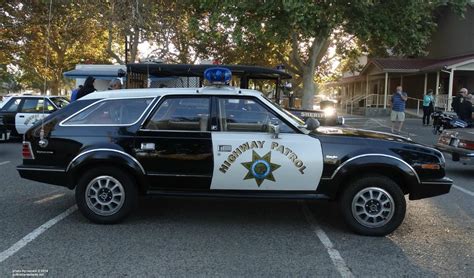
(308, 89)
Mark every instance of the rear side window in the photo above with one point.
(111, 112)
(181, 114)
(60, 102)
(12, 105)
(35, 105)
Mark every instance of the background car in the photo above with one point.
(459, 143)
(19, 113)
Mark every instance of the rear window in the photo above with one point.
(111, 112)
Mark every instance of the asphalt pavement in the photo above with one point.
(42, 233)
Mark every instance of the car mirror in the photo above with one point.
(275, 130)
(312, 124)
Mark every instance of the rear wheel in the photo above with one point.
(373, 206)
(106, 195)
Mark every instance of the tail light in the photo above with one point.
(26, 151)
(466, 144)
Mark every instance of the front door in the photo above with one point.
(8, 113)
(247, 157)
(174, 145)
(32, 111)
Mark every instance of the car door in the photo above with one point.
(247, 157)
(174, 144)
(32, 111)
(8, 112)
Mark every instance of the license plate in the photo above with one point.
(454, 142)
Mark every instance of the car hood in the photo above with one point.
(361, 133)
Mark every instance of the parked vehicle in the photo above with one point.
(221, 141)
(446, 120)
(20, 113)
(459, 143)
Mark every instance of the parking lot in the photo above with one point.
(42, 232)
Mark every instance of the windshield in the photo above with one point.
(278, 107)
(59, 101)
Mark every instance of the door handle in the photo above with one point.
(225, 148)
(147, 146)
(21, 116)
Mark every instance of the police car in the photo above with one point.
(19, 113)
(219, 141)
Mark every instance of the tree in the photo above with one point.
(73, 37)
(304, 30)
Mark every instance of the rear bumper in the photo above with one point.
(49, 175)
(430, 188)
(462, 155)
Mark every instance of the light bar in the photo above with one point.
(218, 76)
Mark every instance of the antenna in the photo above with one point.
(44, 142)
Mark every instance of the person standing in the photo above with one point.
(428, 106)
(87, 88)
(465, 108)
(397, 116)
(458, 100)
(74, 93)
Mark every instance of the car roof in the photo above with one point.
(154, 92)
(35, 96)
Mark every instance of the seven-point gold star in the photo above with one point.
(260, 168)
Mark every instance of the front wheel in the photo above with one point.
(373, 206)
(106, 195)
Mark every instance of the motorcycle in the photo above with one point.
(446, 120)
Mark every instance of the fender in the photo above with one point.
(106, 155)
(370, 163)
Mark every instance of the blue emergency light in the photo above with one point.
(218, 76)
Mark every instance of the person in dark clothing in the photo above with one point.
(466, 108)
(428, 106)
(458, 100)
(87, 88)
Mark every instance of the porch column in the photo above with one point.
(450, 90)
(426, 83)
(437, 83)
(385, 91)
(401, 80)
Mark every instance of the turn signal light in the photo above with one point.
(432, 166)
(26, 151)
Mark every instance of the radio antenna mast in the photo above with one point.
(46, 66)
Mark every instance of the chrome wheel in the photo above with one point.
(105, 195)
(373, 207)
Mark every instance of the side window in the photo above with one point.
(35, 105)
(179, 113)
(12, 106)
(111, 112)
(247, 115)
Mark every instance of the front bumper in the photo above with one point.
(4, 134)
(458, 154)
(430, 188)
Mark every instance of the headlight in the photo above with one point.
(329, 111)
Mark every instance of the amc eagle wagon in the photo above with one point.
(111, 147)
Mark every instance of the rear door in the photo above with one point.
(247, 157)
(32, 111)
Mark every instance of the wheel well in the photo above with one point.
(93, 164)
(394, 174)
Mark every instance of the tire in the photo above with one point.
(113, 195)
(373, 205)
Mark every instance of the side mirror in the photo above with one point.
(275, 130)
(312, 124)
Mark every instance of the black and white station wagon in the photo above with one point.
(222, 141)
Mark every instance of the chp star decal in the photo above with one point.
(260, 168)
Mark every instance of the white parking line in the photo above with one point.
(34, 234)
(335, 256)
(47, 199)
(464, 190)
(4, 162)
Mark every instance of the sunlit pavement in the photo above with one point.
(229, 237)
